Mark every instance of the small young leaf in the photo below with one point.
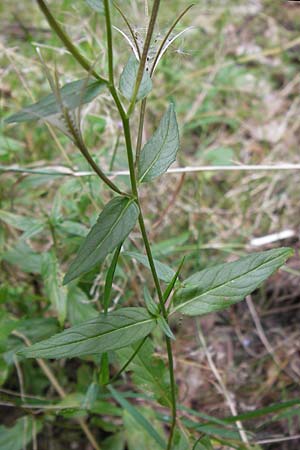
(96, 5)
(90, 396)
(163, 325)
(128, 80)
(164, 272)
(218, 287)
(56, 293)
(172, 283)
(107, 332)
(73, 95)
(160, 151)
(150, 303)
(113, 226)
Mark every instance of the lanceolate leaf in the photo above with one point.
(128, 80)
(107, 332)
(164, 272)
(218, 287)
(96, 5)
(160, 151)
(73, 95)
(113, 226)
(20, 222)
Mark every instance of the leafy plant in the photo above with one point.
(123, 333)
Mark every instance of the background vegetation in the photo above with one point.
(234, 77)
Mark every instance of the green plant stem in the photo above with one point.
(140, 132)
(112, 162)
(54, 25)
(109, 278)
(109, 43)
(124, 367)
(126, 127)
(142, 65)
(98, 171)
(84, 151)
(165, 315)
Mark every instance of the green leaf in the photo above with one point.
(79, 307)
(152, 307)
(73, 95)
(164, 272)
(4, 371)
(250, 415)
(172, 283)
(218, 287)
(110, 278)
(164, 326)
(24, 257)
(181, 441)
(35, 330)
(104, 369)
(20, 222)
(21, 434)
(149, 372)
(30, 225)
(56, 293)
(203, 444)
(138, 417)
(113, 226)
(137, 436)
(160, 151)
(96, 5)
(115, 442)
(106, 332)
(90, 396)
(221, 156)
(128, 80)
(73, 228)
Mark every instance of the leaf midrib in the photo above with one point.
(111, 229)
(160, 150)
(220, 285)
(103, 334)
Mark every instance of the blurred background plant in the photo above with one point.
(234, 76)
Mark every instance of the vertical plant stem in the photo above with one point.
(140, 132)
(127, 134)
(109, 279)
(142, 65)
(165, 315)
(109, 43)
